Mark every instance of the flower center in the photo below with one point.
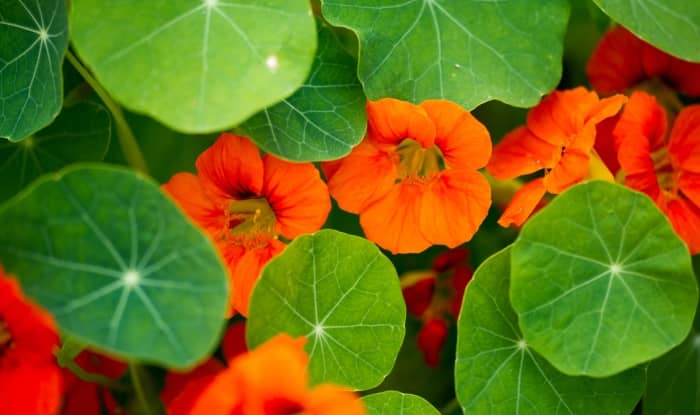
(5, 337)
(415, 161)
(665, 174)
(251, 217)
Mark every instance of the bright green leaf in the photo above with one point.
(324, 119)
(397, 403)
(671, 25)
(196, 65)
(496, 372)
(341, 293)
(673, 385)
(117, 264)
(79, 133)
(601, 282)
(468, 51)
(33, 39)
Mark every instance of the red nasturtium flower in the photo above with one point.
(30, 379)
(245, 202)
(413, 179)
(88, 398)
(664, 166)
(558, 139)
(270, 380)
(621, 61)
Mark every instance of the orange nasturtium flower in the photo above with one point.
(245, 202)
(270, 380)
(30, 379)
(413, 179)
(664, 166)
(558, 139)
(621, 61)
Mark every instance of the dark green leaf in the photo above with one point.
(117, 264)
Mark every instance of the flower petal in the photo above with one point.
(682, 75)
(520, 152)
(523, 203)
(685, 218)
(684, 141)
(245, 272)
(390, 121)
(188, 193)
(689, 184)
(571, 169)
(297, 195)
(463, 140)
(333, 400)
(561, 115)
(616, 63)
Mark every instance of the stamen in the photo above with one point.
(5, 337)
(250, 217)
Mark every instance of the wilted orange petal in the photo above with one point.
(571, 169)
(684, 142)
(393, 221)
(230, 169)
(520, 153)
(390, 121)
(362, 177)
(453, 207)
(187, 191)
(616, 63)
(297, 195)
(332, 400)
(463, 140)
(523, 203)
(245, 272)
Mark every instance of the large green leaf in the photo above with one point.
(324, 119)
(397, 403)
(196, 65)
(468, 51)
(341, 293)
(117, 264)
(601, 282)
(33, 39)
(496, 372)
(671, 25)
(80, 133)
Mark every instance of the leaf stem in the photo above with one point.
(127, 141)
(450, 407)
(143, 390)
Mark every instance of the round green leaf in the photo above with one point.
(79, 133)
(117, 264)
(196, 65)
(601, 282)
(322, 120)
(468, 51)
(33, 39)
(671, 25)
(343, 294)
(397, 403)
(497, 372)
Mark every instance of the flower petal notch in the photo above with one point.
(498, 372)
(413, 179)
(600, 281)
(343, 295)
(117, 264)
(203, 65)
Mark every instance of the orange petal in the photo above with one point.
(571, 169)
(333, 400)
(616, 63)
(454, 206)
(523, 203)
(390, 121)
(245, 272)
(684, 142)
(463, 140)
(176, 382)
(393, 222)
(685, 218)
(682, 75)
(603, 109)
(561, 115)
(297, 195)
(362, 177)
(605, 143)
(519, 153)
(230, 169)
(187, 191)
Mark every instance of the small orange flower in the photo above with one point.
(413, 179)
(245, 202)
(30, 379)
(621, 61)
(270, 380)
(558, 139)
(664, 166)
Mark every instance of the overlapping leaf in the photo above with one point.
(117, 264)
(497, 372)
(33, 39)
(601, 282)
(196, 65)
(467, 51)
(397, 403)
(341, 293)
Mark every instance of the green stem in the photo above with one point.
(127, 141)
(451, 406)
(143, 390)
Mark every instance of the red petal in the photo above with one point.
(684, 141)
(431, 338)
(616, 63)
(419, 295)
(233, 343)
